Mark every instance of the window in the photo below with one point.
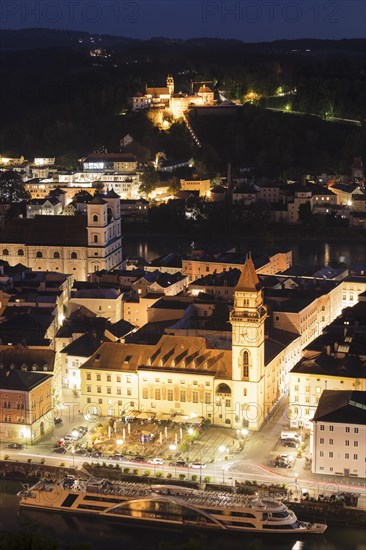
(307, 389)
(245, 392)
(322, 427)
(355, 443)
(129, 393)
(170, 395)
(98, 378)
(330, 454)
(118, 379)
(56, 255)
(145, 393)
(5, 252)
(346, 456)
(95, 218)
(355, 457)
(296, 387)
(347, 442)
(109, 390)
(321, 453)
(355, 430)
(39, 254)
(20, 252)
(318, 389)
(347, 429)
(195, 396)
(88, 376)
(100, 401)
(331, 428)
(109, 378)
(321, 440)
(182, 396)
(128, 379)
(99, 389)
(157, 394)
(119, 391)
(95, 238)
(88, 389)
(74, 256)
(207, 398)
(245, 364)
(331, 442)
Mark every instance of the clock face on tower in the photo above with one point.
(250, 335)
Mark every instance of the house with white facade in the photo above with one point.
(339, 434)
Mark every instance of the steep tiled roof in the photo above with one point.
(21, 380)
(248, 281)
(342, 406)
(175, 353)
(47, 230)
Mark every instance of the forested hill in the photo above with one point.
(22, 39)
(61, 97)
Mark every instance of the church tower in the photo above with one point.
(170, 84)
(247, 319)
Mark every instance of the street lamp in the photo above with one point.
(119, 441)
(296, 475)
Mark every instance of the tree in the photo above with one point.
(149, 180)
(12, 187)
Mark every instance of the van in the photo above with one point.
(291, 435)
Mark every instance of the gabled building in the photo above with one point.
(339, 434)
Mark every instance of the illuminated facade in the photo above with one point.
(26, 411)
(78, 245)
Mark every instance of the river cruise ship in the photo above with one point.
(165, 505)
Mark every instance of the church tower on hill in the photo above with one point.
(247, 319)
(170, 84)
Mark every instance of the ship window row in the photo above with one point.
(103, 499)
(90, 507)
(274, 526)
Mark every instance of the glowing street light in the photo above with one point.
(190, 431)
(173, 447)
(119, 441)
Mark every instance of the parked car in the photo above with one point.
(96, 454)
(59, 450)
(283, 461)
(179, 463)
(81, 452)
(82, 429)
(57, 421)
(198, 465)
(155, 460)
(138, 459)
(117, 457)
(16, 446)
(290, 443)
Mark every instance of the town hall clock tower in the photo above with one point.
(247, 319)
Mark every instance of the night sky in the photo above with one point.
(247, 20)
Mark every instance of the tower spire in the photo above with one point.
(248, 281)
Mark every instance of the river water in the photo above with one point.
(305, 253)
(111, 536)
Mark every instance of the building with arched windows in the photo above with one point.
(194, 375)
(77, 245)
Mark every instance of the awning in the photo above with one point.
(180, 419)
(195, 420)
(145, 416)
(131, 414)
(163, 416)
